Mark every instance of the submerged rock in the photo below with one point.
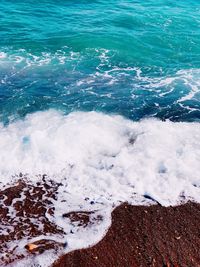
(44, 244)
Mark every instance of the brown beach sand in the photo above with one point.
(139, 235)
(145, 236)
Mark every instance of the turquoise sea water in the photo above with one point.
(134, 58)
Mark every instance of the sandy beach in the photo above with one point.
(138, 236)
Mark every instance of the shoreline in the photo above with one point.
(145, 236)
(138, 235)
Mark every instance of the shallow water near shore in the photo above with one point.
(102, 97)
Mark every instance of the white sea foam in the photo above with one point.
(190, 78)
(2, 55)
(184, 84)
(96, 149)
(106, 159)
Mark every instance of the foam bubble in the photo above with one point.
(3, 55)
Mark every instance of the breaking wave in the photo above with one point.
(104, 155)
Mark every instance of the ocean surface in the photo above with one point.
(103, 96)
(134, 58)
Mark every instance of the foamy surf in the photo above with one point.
(153, 157)
(132, 90)
(99, 161)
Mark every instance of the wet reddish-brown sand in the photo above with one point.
(23, 215)
(25, 209)
(139, 235)
(145, 236)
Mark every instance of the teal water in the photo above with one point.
(134, 58)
